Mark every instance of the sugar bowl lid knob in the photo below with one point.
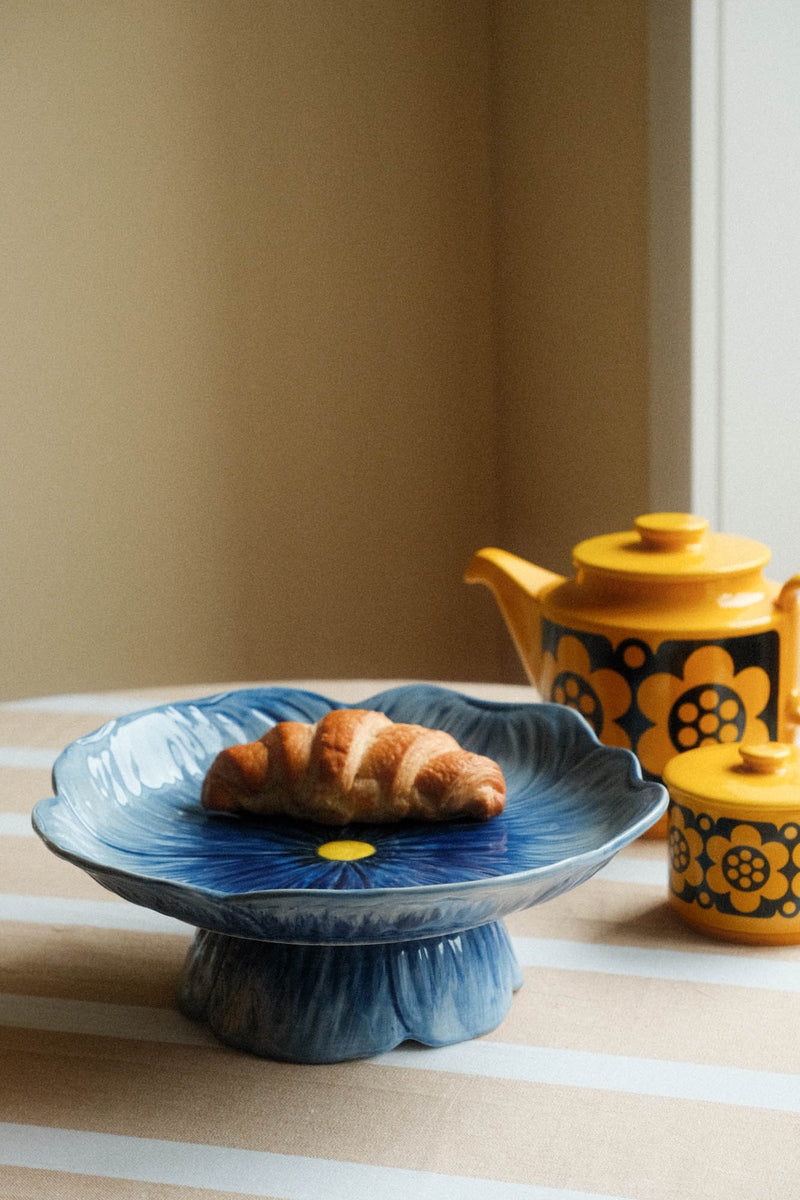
(766, 758)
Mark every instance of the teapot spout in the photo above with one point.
(518, 587)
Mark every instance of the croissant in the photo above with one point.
(354, 765)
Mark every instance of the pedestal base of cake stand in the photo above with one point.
(328, 1003)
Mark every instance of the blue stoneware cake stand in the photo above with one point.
(316, 944)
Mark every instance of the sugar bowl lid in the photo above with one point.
(671, 545)
(739, 775)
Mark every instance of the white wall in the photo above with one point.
(725, 266)
(759, 315)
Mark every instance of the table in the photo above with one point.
(640, 1061)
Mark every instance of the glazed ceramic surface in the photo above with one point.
(315, 944)
(127, 809)
(654, 618)
(734, 841)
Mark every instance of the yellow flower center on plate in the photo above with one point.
(346, 851)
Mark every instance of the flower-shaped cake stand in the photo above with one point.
(315, 944)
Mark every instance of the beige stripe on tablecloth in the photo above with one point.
(28, 1183)
(625, 914)
(47, 730)
(76, 962)
(655, 1018)
(663, 1018)
(621, 1144)
(27, 866)
(23, 787)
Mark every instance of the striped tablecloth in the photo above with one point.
(640, 1061)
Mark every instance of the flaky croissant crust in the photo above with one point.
(354, 765)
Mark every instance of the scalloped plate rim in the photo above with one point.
(598, 854)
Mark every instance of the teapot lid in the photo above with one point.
(671, 545)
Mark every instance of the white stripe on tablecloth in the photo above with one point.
(348, 691)
(767, 974)
(100, 914)
(27, 756)
(648, 871)
(85, 702)
(16, 825)
(687, 966)
(486, 1059)
(607, 1072)
(120, 703)
(249, 1172)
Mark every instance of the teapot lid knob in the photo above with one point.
(671, 531)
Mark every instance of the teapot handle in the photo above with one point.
(791, 714)
(786, 600)
(787, 596)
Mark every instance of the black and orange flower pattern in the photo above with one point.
(746, 868)
(711, 702)
(685, 848)
(601, 696)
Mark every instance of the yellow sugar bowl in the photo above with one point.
(734, 840)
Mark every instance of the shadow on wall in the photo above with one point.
(255, 425)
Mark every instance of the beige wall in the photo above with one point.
(572, 165)
(255, 417)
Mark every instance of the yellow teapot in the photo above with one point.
(667, 638)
